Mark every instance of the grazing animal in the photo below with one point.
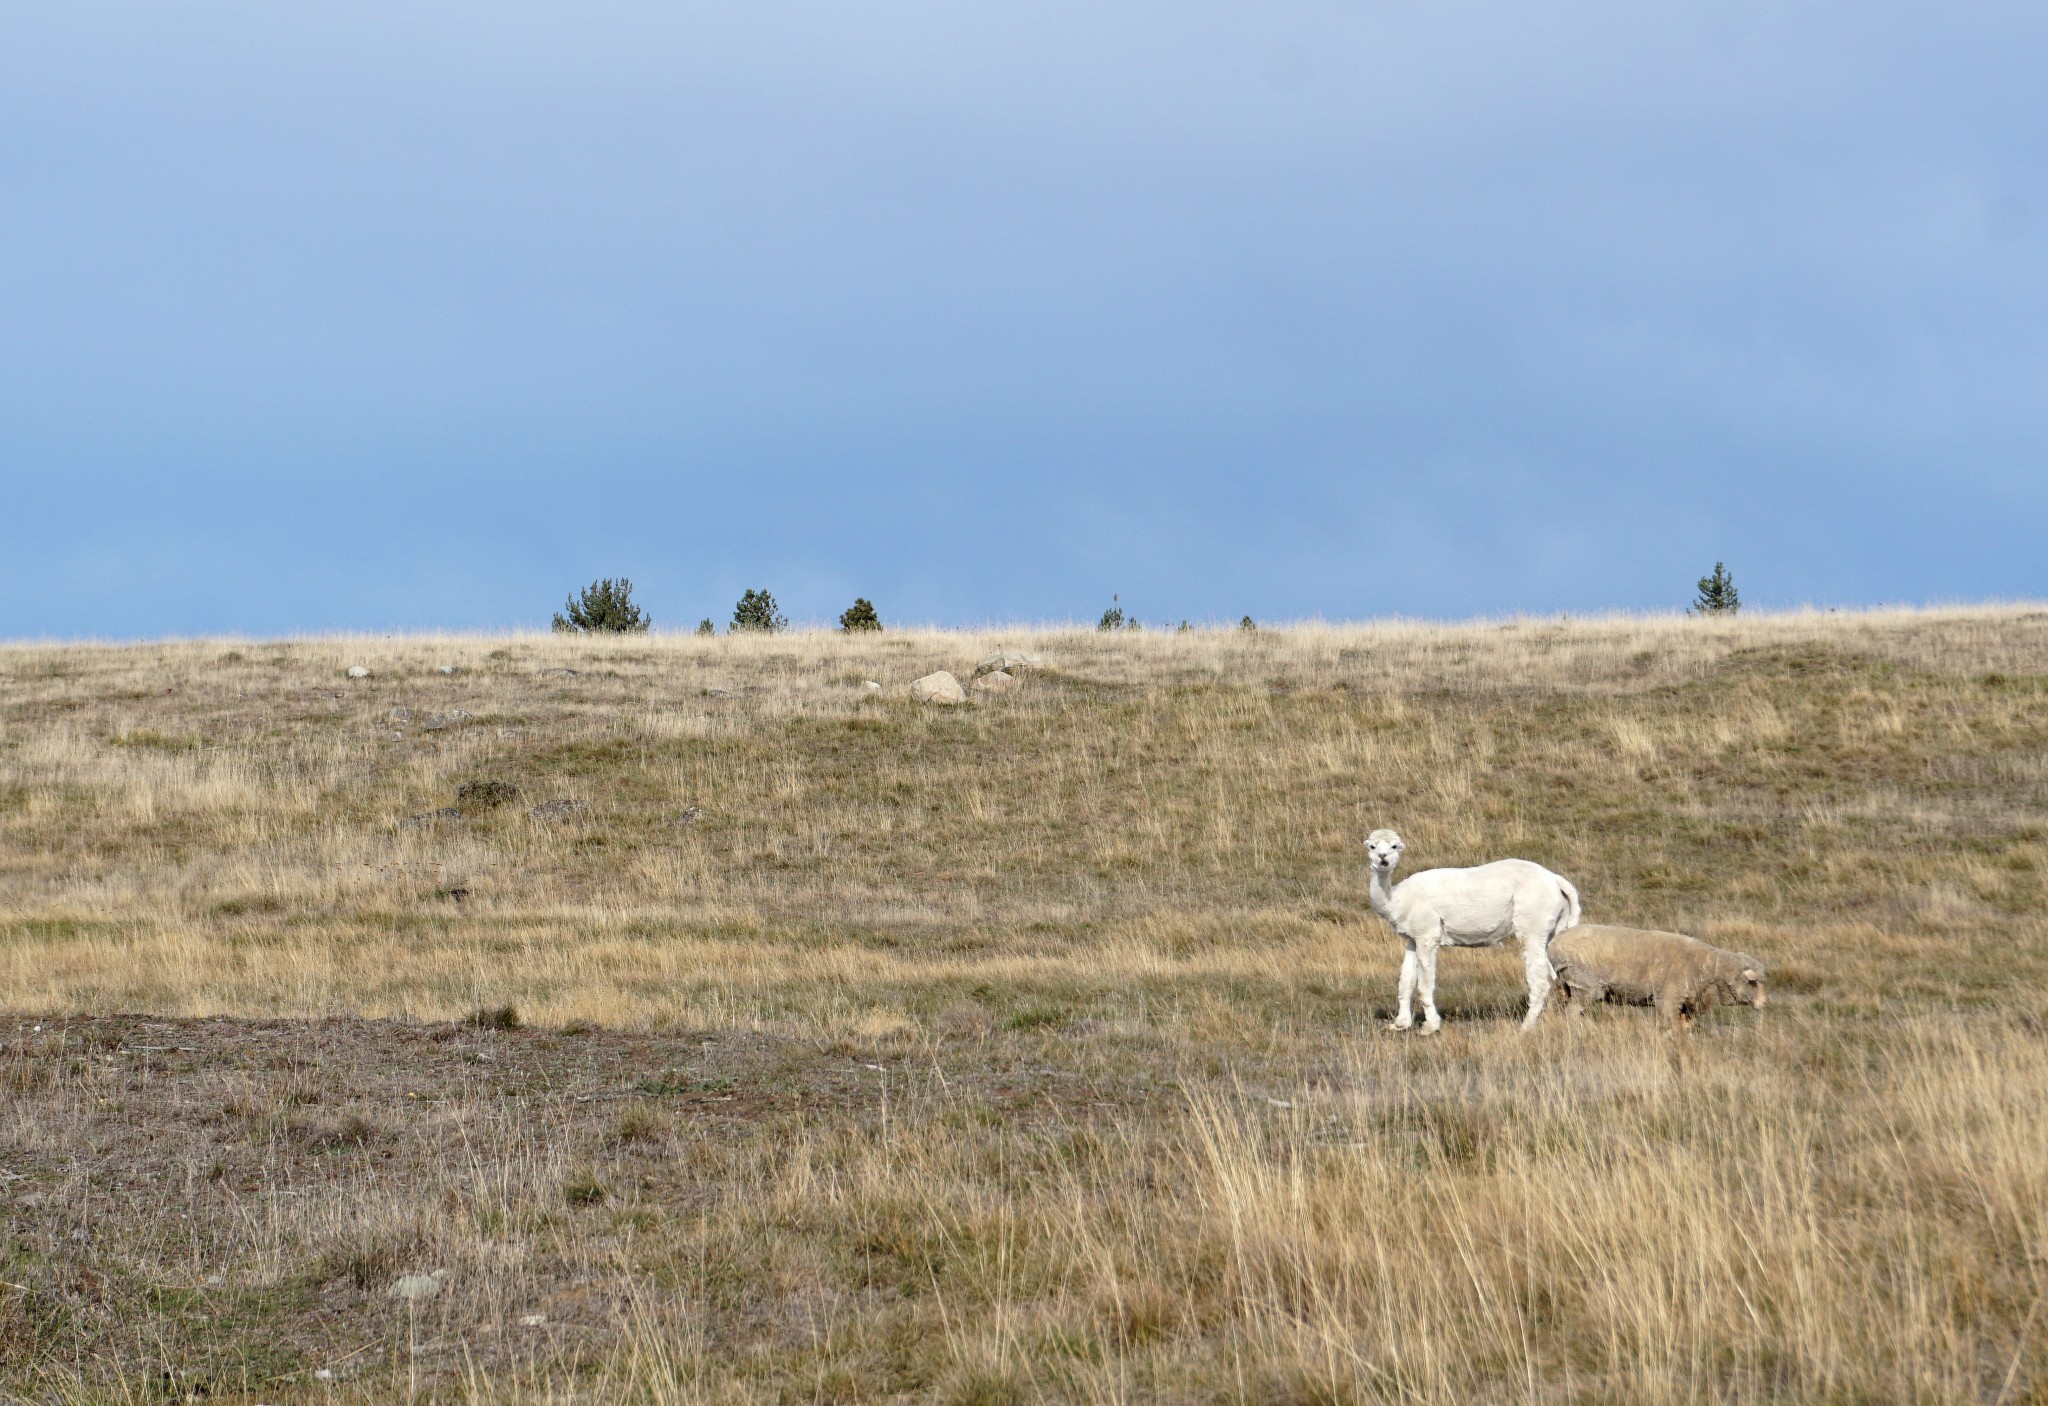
(1679, 975)
(1478, 907)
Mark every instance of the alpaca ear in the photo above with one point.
(1752, 974)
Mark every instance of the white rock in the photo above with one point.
(870, 686)
(941, 687)
(357, 671)
(997, 682)
(533, 1320)
(445, 669)
(413, 1286)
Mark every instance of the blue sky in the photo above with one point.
(392, 316)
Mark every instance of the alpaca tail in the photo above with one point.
(1571, 907)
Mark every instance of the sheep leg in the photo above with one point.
(1588, 991)
(1425, 962)
(1536, 966)
(1406, 1015)
(1677, 1019)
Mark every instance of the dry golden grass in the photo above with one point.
(1067, 1080)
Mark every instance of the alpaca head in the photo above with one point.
(1383, 848)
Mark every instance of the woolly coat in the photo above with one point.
(1679, 975)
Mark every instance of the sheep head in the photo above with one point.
(1743, 975)
(1383, 848)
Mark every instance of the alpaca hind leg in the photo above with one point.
(1405, 1016)
(1425, 962)
(1536, 967)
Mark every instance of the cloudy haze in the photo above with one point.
(332, 316)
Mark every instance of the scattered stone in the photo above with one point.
(432, 817)
(719, 693)
(533, 1320)
(941, 687)
(693, 813)
(445, 669)
(558, 673)
(413, 1287)
(870, 686)
(400, 715)
(441, 722)
(457, 892)
(997, 682)
(556, 810)
(485, 795)
(357, 671)
(1007, 663)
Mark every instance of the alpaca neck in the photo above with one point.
(1381, 895)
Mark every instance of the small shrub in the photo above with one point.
(1248, 625)
(493, 1018)
(641, 1122)
(606, 608)
(983, 1387)
(1718, 595)
(1112, 618)
(485, 795)
(368, 1256)
(353, 1131)
(585, 1189)
(860, 616)
(758, 612)
(1037, 1017)
(1138, 1314)
(705, 627)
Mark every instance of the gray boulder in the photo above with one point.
(989, 685)
(1009, 663)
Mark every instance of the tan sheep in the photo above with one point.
(1680, 975)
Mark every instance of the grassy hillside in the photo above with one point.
(1030, 1050)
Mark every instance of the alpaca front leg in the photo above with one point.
(1405, 1016)
(1536, 967)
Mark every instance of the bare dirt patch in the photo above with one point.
(230, 1201)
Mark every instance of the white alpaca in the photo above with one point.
(1479, 907)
